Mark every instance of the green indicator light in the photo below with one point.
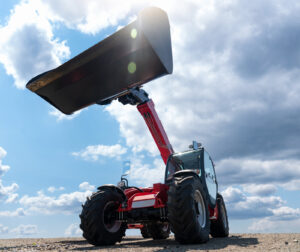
(131, 67)
(133, 33)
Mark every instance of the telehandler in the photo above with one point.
(188, 202)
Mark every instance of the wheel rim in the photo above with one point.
(200, 209)
(224, 219)
(110, 217)
(165, 227)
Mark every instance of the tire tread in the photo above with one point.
(182, 211)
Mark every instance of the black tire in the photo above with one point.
(145, 232)
(159, 231)
(98, 218)
(188, 210)
(220, 227)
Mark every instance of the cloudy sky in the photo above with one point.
(235, 88)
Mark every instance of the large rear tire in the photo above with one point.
(99, 218)
(159, 231)
(188, 210)
(220, 227)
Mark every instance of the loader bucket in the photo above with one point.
(134, 55)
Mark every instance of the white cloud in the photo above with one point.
(260, 190)
(286, 213)
(255, 171)
(12, 198)
(27, 45)
(6, 191)
(3, 229)
(73, 230)
(85, 186)
(89, 17)
(133, 128)
(241, 206)
(24, 230)
(53, 189)
(93, 152)
(61, 116)
(269, 213)
(18, 212)
(3, 168)
(66, 203)
(146, 174)
(232, 195)
(293, 185)
(2, 152)
(271, 225)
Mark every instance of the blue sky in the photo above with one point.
(235, 88)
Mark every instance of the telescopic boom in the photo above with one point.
(146, 108)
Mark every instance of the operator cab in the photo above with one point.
(199, 161)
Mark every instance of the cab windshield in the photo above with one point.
(189, 160)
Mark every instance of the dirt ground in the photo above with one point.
(235, 242)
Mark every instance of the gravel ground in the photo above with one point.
(235, 242)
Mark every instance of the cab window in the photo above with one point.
(208, 165)
(210, 178)
(189, 160)
(172, 167)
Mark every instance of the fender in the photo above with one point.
(113, 188)
(186, 173)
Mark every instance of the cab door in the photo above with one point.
(210, 179)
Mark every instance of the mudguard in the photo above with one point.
(134, 55)
(185, 173)
(113, 188)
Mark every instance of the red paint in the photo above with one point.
(132, 226)
(156, 128)
(157, 192)
(213, 213)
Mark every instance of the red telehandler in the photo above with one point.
(188, 202)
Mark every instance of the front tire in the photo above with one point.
(99, 218)
(159, 231)
(220, 227)
(188, 210)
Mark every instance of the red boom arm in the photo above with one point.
(156, 128)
